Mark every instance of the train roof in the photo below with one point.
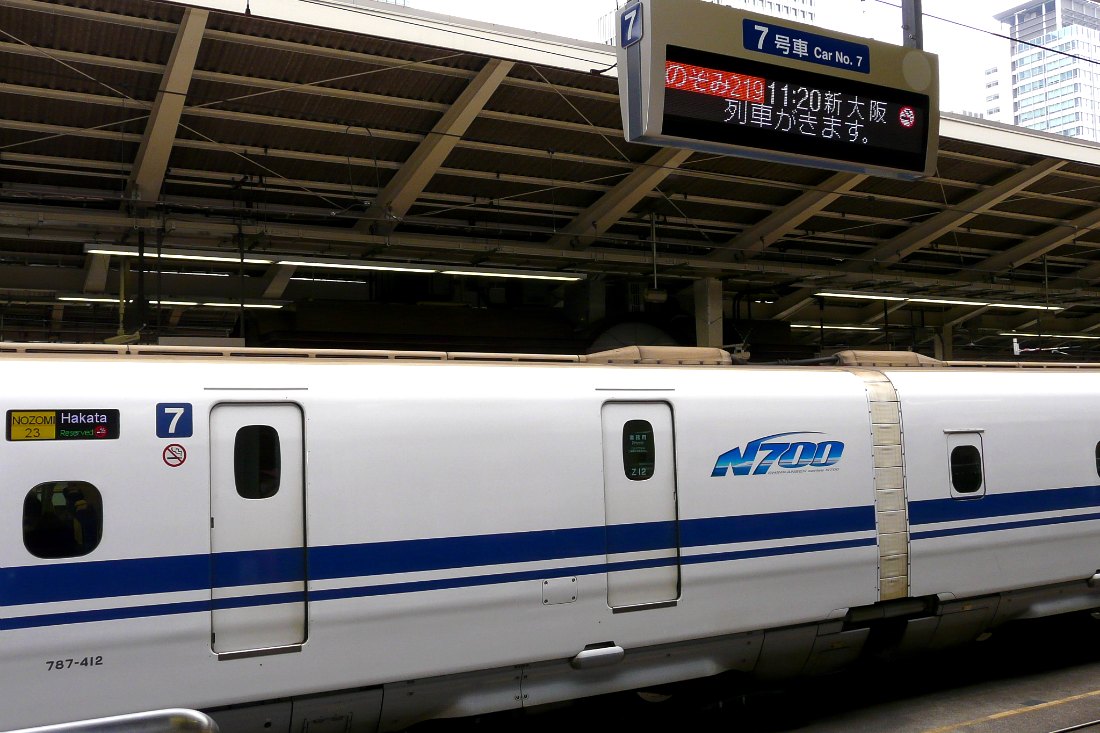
(631, 355)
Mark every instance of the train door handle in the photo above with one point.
(598, 655)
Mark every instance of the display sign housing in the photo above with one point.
(715, 79)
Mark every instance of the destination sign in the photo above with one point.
(761, 105)
(63, 425)
(715, 79)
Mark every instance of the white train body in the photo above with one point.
(454, 538)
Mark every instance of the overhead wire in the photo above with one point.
(1021, 42)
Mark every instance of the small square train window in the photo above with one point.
(966, 469)
(62, 519)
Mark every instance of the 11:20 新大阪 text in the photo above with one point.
(753, 100)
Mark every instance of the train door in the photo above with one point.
(257, 528)
(643, 553)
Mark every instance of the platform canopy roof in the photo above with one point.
(369, 134)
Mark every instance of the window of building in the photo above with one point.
(62, 519)
(257, 461)
(639, 453)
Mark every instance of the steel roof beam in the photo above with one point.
(306, 88)
(788, 305)
(876, 312)
(160, 131)
(961, 314)
(923, 234)
(57, 317)
(1021, 323)
(1082, 278)
(1091, 323)
(97, 15)
(779, 223)
(25, 219)
(218, 114)
(299, 124)
(270, 153)
(76, 57)
(423, 66)
(95, 273)
(276, 279)
(616, 203)
(398, 196)
(1036, 247)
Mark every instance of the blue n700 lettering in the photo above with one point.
(759, 455)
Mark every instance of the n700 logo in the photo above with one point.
(760, 455)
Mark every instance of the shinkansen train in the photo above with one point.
(316, 540)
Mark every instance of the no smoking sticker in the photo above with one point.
(174, 455)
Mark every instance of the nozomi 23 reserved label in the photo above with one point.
(63, 424)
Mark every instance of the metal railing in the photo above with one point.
(175, 720)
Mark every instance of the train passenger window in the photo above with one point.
(1098, 459)
(256, 461)
(62, 519)
(966, 469)
(639, 455)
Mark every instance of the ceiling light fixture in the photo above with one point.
(518, 274)
(835, 328)
(356, 265)
(1050, 335)
(418, 267)
(170, 303)
(272, 306)
(174, 254)
(937, 301)
(334, 264)
(187, 273)
(859, 296)
(82, 299)
(327, 280)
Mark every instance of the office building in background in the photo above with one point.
(1052, 78)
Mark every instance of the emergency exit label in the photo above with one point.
(63, 424)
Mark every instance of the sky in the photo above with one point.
(964, 54)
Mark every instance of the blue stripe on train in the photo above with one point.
(1001, 526)
(1001, 505)
(104, 579)
(166, 609)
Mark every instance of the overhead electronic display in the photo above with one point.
(710, 78)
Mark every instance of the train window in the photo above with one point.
(639, 455)
(62, 519)
(966, 469)
(1098, 459)
(257, 462)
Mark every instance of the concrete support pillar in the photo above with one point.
(942, 342)
(586, 302)
(708, 312)
(597, 300)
